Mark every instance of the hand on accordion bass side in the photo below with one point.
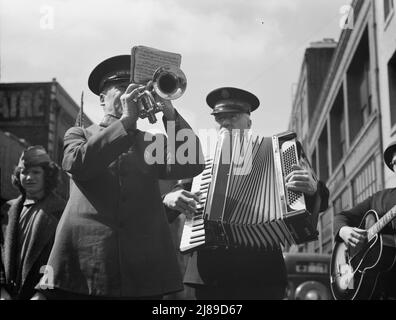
(183, 201)
(301, 180)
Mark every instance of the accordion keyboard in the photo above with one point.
(193, 231)
(289, 154)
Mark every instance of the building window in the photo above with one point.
(323, 156)
(392, 88)
(342, 202)
(343, 146)
(326, 231)
(358, 87)
(298, 121)
(304, 111)
(365, 93)
(337, 205)
(59, 151)
(364, 184)
(313, 161)
(388, 8)
(337, 129)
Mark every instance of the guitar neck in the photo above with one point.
(381, 223)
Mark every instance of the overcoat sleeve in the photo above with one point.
(318, 202)
(86, 156)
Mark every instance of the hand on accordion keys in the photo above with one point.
(183, 201)
(301, 180)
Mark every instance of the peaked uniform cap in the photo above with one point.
(229, 99)
(116, 68)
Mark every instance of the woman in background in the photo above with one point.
(28, 225)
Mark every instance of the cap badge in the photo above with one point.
(225, 94)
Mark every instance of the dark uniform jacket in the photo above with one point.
(244, 267)
(113, 239)
(46, 218)
(381, 202)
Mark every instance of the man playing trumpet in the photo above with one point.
(113, 240)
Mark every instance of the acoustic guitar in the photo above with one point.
(354, 271)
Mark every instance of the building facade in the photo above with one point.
(314, 69)
(351, 122)
(386, 37)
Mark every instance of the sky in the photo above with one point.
(256, 45)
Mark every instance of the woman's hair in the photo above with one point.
(51, 177)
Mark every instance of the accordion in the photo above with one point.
(244, 201)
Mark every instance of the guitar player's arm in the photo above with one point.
(348, 221)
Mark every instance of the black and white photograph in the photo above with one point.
(198, 155)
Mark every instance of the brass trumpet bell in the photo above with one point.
(169, 83)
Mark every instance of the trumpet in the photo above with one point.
(169, 83)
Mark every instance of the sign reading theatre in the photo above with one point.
(27, 103)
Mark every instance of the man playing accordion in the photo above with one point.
(238, 273)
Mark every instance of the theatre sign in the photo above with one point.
(38, 112)
(24, 103)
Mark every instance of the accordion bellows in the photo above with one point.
(244, 202)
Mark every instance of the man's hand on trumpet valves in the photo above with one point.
(130, 106)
